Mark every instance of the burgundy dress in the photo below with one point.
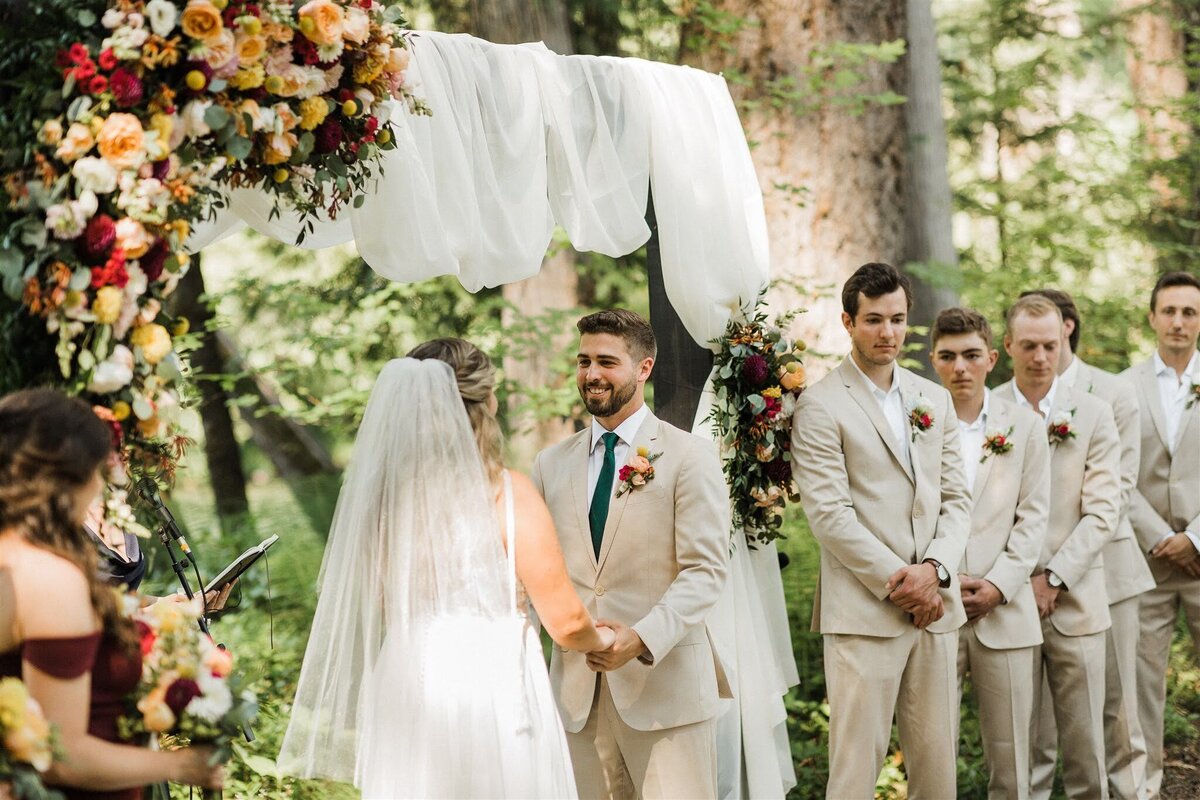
(115, 674)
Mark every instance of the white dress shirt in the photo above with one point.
(1174, 391)
(625, 433)
(1044, 405)
(892, 404)
(970, 440)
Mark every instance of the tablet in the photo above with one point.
(239, 565)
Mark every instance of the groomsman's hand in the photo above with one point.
(925, 617)
(979, 596)
(914, 588)
(1045, 595)
(627, 646)
(1178, 549)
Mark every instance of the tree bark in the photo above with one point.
(221, 449)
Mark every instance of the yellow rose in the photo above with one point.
(644, 452)
(132, 237)
(153, 340)
(107, 305)
(201, 20)
(77, 142)
(250, 49)
(326, 21)
(120, 141)
(30, 742)
(313, 111)
(250, 77)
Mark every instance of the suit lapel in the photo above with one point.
(578, 455)
(1185, 424)
(997, 420)
(856, 385)
(1064, 400)
(1149, 382)
(646, 436)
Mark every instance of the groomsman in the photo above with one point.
(1068, 582)
(880, 473)
(1166, 503)
(1007, 463)
(649, 560)
(1126, 577)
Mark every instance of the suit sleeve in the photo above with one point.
(535, 475)
(701, 550)
(820, 470)
(954, 515)
(1020, 556)
(1128, 417)
(1099, 500)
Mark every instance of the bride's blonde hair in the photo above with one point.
(476, 379)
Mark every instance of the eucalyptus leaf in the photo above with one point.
(757, 403)
(216, 117)
(81, 278)
(239, 147)
(87, 17)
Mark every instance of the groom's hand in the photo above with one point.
(627, 646)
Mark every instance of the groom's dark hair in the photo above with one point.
(873, 280)
(630, 326)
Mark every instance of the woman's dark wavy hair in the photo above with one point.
(50, 447)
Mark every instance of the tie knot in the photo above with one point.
(610, 441)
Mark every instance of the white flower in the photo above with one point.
(94, 174)
(135, 20)
(193, 119)
(126, 42)
(112, 18)
(331, 52)
(114, 372)
(88, 203)
(215, 699)
(65, 220)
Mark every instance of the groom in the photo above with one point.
(642, 513)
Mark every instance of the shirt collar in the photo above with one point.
(625, 431)
(1160, 367)
(1047, 401)
(880, 394)
(981, 420)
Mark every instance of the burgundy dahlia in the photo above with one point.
(755, 370)
(180, 693)
(98, 237)
(153, 259)
(161, 169)
(328, 136)
(779, 471)
(127, 88)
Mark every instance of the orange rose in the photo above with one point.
(202, 20)
(155, 711)
(324, 25)
(120, 141)
(78, 142)
(397, 59)
(639, 463)
(250, 49)
(792, 380)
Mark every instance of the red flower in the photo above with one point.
(779, 471)
(146, 636)
(1062, 430)
(625, 472)
(372, 125)
(180, 693)
(774, 406)
(755, 370)
(306, 50)
(926, 421)
(153, 260)
(127, 88)
(85, 71)
(328, 136)
(98, 237)
(97, 84)
(107, 59)
(78, 53)
(113, 273)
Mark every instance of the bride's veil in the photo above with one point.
(414, 539)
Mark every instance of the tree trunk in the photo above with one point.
(1154, 58)
(833, 180)
(556, 287)
(221, 449)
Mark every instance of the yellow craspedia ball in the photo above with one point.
(220, 4)
(281, 175)
(252, 26)
(307, 25)
(350, 108)
(107, 305)
(384, 136)
(181, 326)
(121, 410)
(273, 84)
(153, 340)
(195, 80)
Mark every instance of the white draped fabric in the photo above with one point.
(521, 139)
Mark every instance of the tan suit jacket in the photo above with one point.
(1167, 498)
(872, 512)
(1125, 574)
(662, 564)
(1085, 494)
(1008, 523)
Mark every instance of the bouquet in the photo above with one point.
(758, 374)
(27, 744)
(188, 688)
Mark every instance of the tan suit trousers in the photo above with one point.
(617, 762)
(1071, 670)
(1159, 610)
(867, 677)
(1001, 681)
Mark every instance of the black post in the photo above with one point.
(683, 366)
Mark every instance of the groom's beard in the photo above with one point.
(617, 398)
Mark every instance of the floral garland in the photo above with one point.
(28, 744)
(161, 107)
(757, 377)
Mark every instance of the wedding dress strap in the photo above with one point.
(510, 538)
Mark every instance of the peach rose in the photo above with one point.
(397, 59)
(792, 379)
(639, 463)
(220, 662)
(357, 27)
(222, 50)
(278, 147)
(202, 20)
(133, 238)
(637, 479)
(250, 49)
(120, 141)
(155, 711)
(321, 21)
(76, 143)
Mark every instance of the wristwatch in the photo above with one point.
(1054, 581)
(943, 574)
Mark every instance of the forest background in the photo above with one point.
(986, 146)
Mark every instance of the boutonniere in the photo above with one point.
(996, 443)
(1193, 396)
(920, 416)
(639, 470)
(1060, 428)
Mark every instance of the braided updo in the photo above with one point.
(51, 447)
(476, 379)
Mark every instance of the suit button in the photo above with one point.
(599, 591)
(917, 513)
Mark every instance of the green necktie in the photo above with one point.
(598, 513)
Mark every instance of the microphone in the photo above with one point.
(148, 489)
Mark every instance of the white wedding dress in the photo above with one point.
(423, 676)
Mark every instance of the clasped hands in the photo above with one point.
(626, 645)
(914, 588)
(1179, 550)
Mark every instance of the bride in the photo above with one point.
(423, 675)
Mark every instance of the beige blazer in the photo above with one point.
(1167, 498)
(1125, 574)
(662, 564)
(1085, 495)
(872, 512)
(1008, 523)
